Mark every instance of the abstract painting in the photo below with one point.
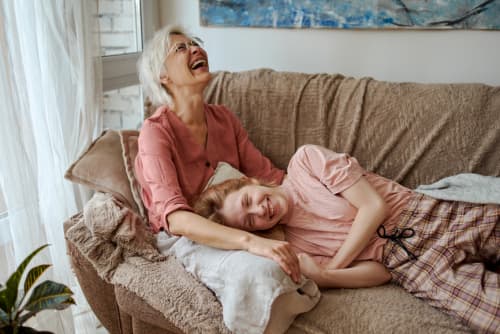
(355, 14)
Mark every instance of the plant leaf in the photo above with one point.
(4, 318)
(49, 295)
(33, 275)
(13, 281)
(61, 306)
(3, 301)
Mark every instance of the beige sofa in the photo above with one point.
(413, 133)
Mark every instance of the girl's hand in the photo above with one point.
(310, 268)
(278, 251)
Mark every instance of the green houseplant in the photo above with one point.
(16, 308)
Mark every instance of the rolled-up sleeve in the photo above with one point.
(158, 177)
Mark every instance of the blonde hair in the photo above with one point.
(211, 200)
(151, 64)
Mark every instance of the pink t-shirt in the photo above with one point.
(320, 218)
(172, 168)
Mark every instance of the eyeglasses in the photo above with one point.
(181, 47)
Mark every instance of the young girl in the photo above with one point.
(352, 228)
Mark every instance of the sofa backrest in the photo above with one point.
(412, 133)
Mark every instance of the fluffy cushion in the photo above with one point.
(101, 168)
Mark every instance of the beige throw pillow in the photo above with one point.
(101, 167)
(128, 140)
(223, 172)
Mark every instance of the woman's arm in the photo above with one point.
(204, 231)
(372, 211)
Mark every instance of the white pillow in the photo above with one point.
(223, 172)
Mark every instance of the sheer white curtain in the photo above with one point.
(50, 90)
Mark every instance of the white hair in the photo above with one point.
(151, 64)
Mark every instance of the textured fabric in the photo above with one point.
(128, 141)
(101, 168)
(223, 172)
(320, 219)
(452, 241)
(411, 133)
(172, 168)
(466, 187)
(108, 232)
(246, 285)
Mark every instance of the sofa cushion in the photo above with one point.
(129, 144)
(223, 172)
(107, 166)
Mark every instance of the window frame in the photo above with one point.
(120, 71)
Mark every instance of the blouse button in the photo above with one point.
(207, 163)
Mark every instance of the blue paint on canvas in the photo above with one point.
(428, 14)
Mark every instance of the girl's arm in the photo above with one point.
(362, 274)
(204, 231)
(371, 213)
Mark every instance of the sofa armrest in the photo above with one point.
(143, 318)
(99, 294)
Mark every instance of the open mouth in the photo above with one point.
(198, 64)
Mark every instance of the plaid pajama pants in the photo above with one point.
(457, 246)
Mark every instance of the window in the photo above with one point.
(123, 26)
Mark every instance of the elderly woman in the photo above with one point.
(182, 142)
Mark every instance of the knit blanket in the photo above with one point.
(107, 233)
(466, 187)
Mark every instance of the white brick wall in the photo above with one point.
(122, 107)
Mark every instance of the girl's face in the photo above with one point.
(254, 207)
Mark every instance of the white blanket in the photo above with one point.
(467, 187)
(256, 295)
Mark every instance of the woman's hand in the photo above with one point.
(278, 251)
(206, 232)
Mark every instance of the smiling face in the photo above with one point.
(254, 207)
(186, 63)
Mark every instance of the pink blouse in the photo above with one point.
(320, 218)
(172, 168)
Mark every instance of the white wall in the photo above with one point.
(393, 55)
